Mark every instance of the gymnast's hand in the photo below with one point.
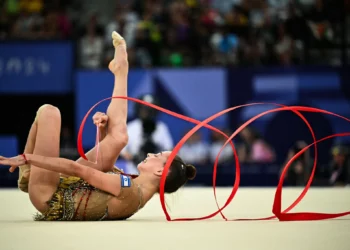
(14, 162)
(100, 119)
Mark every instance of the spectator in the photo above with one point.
(216, 143)
(195, 150)
(31, 6)
(185, 33)
(12, 7)
(340, 167)
(278, 9)
(254, 148)
(226, 45)
(295, 24)
(91, 46)
(125, 23)
(26, 26)
(299, 171)
(64, 23)
(284, 47)
(149, 37)
(5, 24)
(238, 19)
(50, 26)
(146, 134)
(318, 21)
(252, 50)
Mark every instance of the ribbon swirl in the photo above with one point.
(277, 207)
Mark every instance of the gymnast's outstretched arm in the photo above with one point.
(96, 178)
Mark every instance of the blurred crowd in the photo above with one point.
(253, 149)
(186, 33)
(176, 33)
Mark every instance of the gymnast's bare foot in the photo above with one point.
(120, 61)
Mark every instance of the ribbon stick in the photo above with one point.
(276, 208)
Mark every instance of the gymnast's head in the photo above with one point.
(179, 172)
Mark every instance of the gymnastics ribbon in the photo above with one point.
(281, 215)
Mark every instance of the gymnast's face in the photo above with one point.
(154, 163)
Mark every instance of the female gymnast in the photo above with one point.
(62, 189)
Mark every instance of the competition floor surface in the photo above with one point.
(149, 230)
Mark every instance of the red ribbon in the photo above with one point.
(277, 208)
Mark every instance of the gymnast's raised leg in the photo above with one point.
(24, 171)
(43, 183)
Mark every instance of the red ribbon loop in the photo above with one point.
(277, 209)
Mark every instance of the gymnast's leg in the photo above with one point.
(24, 171)
(43, 183)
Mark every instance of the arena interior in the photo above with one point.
(195, 58)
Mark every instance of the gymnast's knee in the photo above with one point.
(49, 112)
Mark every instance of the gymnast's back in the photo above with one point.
(76, 200)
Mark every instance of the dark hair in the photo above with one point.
(179, 173)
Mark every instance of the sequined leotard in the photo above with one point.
(75, 199)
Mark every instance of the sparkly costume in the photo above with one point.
(75, 199)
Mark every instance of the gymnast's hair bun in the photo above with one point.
(190, 171)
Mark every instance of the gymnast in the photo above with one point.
(66, 190)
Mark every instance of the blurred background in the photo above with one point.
(194, 57)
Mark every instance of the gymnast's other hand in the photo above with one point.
(100, 119)
(14, 162)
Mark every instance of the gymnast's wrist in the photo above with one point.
(26, 158)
